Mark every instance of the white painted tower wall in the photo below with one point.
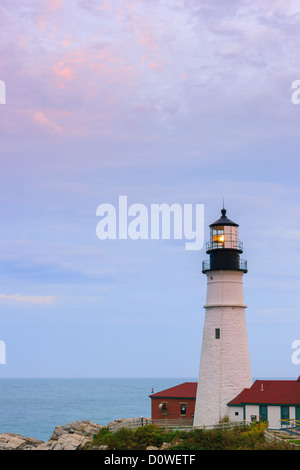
(225, 368)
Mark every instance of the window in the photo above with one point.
(253, 418)
(164, 408)
(224, 237)
(236, 413)
(263, 413)
(297, 412)
(182, 409)
(217, 333)
(217, 237)
(285, 415)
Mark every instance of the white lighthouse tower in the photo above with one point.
(225, 363)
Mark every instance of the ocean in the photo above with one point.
(33, 407)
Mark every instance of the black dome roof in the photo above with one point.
(223, 220)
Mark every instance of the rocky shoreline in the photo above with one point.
(72, 436)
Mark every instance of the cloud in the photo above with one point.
(41, 118)
(32, 299)
(53, 264)
(107, 64)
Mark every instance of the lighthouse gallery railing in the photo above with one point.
(242, 265)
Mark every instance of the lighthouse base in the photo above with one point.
(224, 365)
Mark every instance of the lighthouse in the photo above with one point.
(225, 368)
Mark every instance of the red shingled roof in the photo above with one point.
(184, 390)
(272, 392)
(277, 392)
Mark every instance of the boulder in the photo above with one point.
(131, 423)
(72, 436)
(65, 442)
(12, 441)
(165, 445)
(85, 428)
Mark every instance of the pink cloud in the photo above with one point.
(54, 5)
(113, 60)
(41, 118)
(64, 71)
(58, 121)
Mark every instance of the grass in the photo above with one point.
(294, 441)
(244, 438)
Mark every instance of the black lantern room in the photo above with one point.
(224, 248)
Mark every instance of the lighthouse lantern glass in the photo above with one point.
(224, 236)
(217, 237)
(232, 237)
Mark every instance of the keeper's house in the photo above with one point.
(175, 403)
(274, 401)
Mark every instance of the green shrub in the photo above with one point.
(245, 438)
(138, 439)
(149, 435)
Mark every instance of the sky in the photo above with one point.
(182, 101)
